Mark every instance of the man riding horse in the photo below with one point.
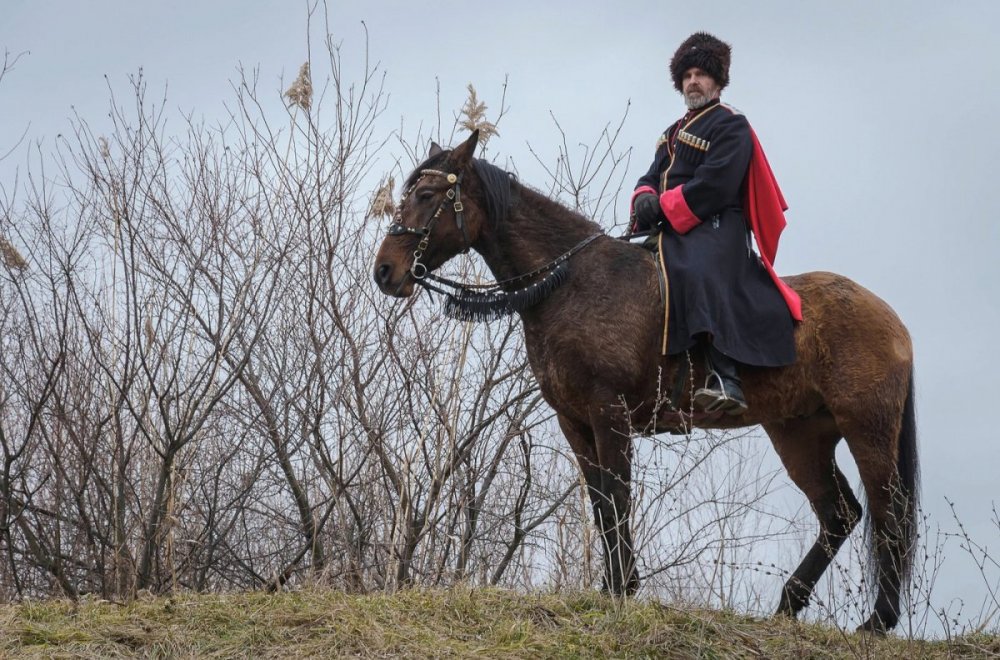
(594, 346)
(708, 190)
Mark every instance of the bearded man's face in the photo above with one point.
(698, 88)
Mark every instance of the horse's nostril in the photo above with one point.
(382, 273)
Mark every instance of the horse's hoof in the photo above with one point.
(632, 586)
(787, 610)
(794, 599)
(788, 615)
(873, 626)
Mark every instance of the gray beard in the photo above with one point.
(696, 101)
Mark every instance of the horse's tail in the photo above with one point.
(905, 500)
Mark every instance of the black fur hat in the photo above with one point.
(704, 51)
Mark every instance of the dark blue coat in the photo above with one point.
(718, 284)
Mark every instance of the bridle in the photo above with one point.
(418, 270)
(478, 301)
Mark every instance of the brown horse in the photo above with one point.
(592, 321)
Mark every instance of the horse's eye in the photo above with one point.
(425, 195)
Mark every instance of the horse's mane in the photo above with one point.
(498, 185)
(543, 206)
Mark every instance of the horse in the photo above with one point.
(593, 321)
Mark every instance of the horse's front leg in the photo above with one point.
(608, 487)
(614, 453)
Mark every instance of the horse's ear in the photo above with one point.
(434, 150)
(462, 154)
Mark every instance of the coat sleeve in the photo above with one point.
(648, 182)
(651, 179)
(717, 180)
(661, 158)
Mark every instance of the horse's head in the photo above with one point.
(439, 216)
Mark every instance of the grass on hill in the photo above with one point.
(422, 623)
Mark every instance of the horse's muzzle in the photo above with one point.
(390, 283)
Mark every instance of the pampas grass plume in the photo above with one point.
(301, 91)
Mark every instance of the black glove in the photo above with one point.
(646, 209)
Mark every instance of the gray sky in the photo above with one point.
(878, 119)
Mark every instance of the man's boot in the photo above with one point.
(722, 391)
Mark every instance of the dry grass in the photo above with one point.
(454, 623)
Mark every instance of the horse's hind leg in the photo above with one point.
(807, 450)
(882, 463)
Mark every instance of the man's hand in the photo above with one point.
(646, 208)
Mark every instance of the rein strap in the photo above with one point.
(478, 302)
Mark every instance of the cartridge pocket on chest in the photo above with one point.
(691, 148)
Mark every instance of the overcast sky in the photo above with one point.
(880, 122)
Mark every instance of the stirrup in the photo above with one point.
(712, 400)
(727, 405)
(708, 397)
